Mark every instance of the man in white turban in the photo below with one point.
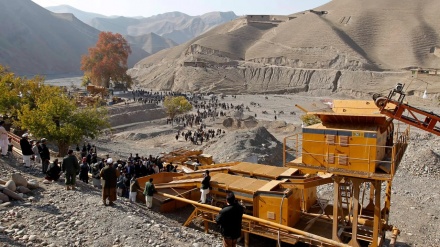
(26, 150)
(3, 139)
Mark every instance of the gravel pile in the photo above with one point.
(422, 157)
(255, 145)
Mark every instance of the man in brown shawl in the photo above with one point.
(109, 175)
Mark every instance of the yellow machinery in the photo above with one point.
(353, 151)
(361, 149)
(188, 158)
(352, 138)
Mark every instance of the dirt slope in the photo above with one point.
(338, 47)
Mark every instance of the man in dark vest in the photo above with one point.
(204, 188)
(70, 167)
(26, 150)
(148, 193)
(44, 155)
(229, 219)
(109, 175)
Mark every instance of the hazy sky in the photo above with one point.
(192, 7)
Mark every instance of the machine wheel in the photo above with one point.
(380, 101)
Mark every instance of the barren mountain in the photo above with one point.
(151, 42)
(176, 26)
(34, 40)
(339, 47)
(84, 16)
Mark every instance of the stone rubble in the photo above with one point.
(51, 216)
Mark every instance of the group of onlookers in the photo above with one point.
(35, 150)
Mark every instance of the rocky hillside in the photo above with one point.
(338, 47)
(52, 216)
(84, 16)
(150, 42)
(34, 40)
(37, 41)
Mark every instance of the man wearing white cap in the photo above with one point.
(109, 175)
(26, 150)
(3, 139)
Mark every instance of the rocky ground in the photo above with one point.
(76, 218)
(56, 217)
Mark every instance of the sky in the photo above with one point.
(146, 8)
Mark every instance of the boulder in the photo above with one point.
(22, 189)
(32, 184)
(11, 185)
(19, 179)
(4, 197)
(6, 204)
(2, 181)
(12, 194)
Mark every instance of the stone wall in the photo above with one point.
(266, 18)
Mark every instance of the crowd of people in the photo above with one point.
(86, 162)
(36, 151)
(120, 177)
(199, 135)
(150, 97)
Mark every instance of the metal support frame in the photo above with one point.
(354, 226)
(416, 117)
(337, 205)
(256, 225)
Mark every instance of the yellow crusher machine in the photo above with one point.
(352, 155)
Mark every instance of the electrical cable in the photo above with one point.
(281, 217)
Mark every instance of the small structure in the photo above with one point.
(195, 64)
(94, 90)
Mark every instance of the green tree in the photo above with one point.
(107, 60)
(176, 105)
(9, 96)
(59, 119)
(309, 119)
(47, 111)
(85, 81)
(16, 92)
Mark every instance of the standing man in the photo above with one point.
(109, 176)
(96, 179)
(84, 171)
(45, 156)
(3, 139)
(205, 186)
(229, 219)
(37, 150)
(70, 167)
(26, 150)
(148, 193)
(134, 187)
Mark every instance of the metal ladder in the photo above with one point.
(346, 191)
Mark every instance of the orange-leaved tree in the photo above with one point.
(107, 60)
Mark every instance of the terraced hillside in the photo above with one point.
(348, 46)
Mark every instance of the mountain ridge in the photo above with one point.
(43, 47)
(178, 26)
(337, 47)
(35, 40)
